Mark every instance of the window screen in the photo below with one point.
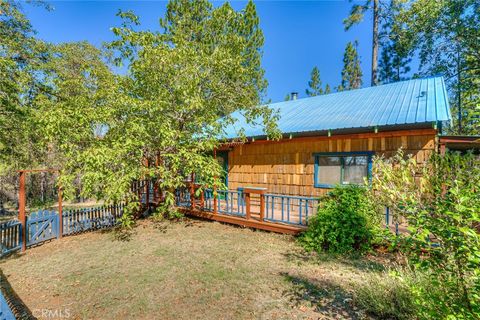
(329, 170)
(341, 169)
(355, 169)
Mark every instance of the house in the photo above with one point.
(331, 139)
(327, 140)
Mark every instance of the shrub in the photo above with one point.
(441, 203)
(347, 221)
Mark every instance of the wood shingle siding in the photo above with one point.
(287, 166)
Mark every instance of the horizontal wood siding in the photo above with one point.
(286, 166)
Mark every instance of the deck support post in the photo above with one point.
(21, 209)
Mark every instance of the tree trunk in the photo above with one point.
(459, 92)
(375, 43)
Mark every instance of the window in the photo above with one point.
(341, 168)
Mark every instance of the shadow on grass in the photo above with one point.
(12, 255)
(323, 295)
(300, 256)
(19, 309)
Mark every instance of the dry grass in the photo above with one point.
(185, 270)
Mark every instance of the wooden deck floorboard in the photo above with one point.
(254, 222)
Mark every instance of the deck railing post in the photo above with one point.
(21, 209)
(248, 191)
(247, 205)
(262, 206)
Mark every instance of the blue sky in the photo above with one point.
(298, 34)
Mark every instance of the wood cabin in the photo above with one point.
(330, 139)
(327, 140)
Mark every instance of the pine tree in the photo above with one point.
(327, 89)
(444, 36)
(356, 16)
(351, 73)
(288, 97)
(395, 56)
(315, 83)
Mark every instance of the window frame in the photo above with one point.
(341, 155)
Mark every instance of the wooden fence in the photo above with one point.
(45, 225)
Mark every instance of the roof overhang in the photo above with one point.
(460, 143)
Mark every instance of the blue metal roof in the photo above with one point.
(411, 102)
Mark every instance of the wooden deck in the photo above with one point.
(252, 208)
(253, 222)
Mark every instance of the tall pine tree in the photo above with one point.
(315, 83)
(351, 73)
(395, 54)
(357, 14)
(327, 89)
(445, 36)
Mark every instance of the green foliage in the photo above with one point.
(166, 210)
(170, 109)
(439, 200)
(314, 84)
(357, 14)
(444, 35)
(20, 81)
(347, 221)
(395, 56)
(351, 72)
(386, 296)
(328, 89)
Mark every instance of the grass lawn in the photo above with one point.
(186, 270)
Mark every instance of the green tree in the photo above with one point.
(439, 201)
(162, 119)
(327, 89)
(20, 55)
(351, 72)
(396, 55)
(314, 84)
(356, 16)
(445, 35)
(288, 97)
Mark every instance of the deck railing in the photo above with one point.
(290, 209)
(251, 203)
(231, 202)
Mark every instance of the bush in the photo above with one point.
(347, 221)
(441, 203)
